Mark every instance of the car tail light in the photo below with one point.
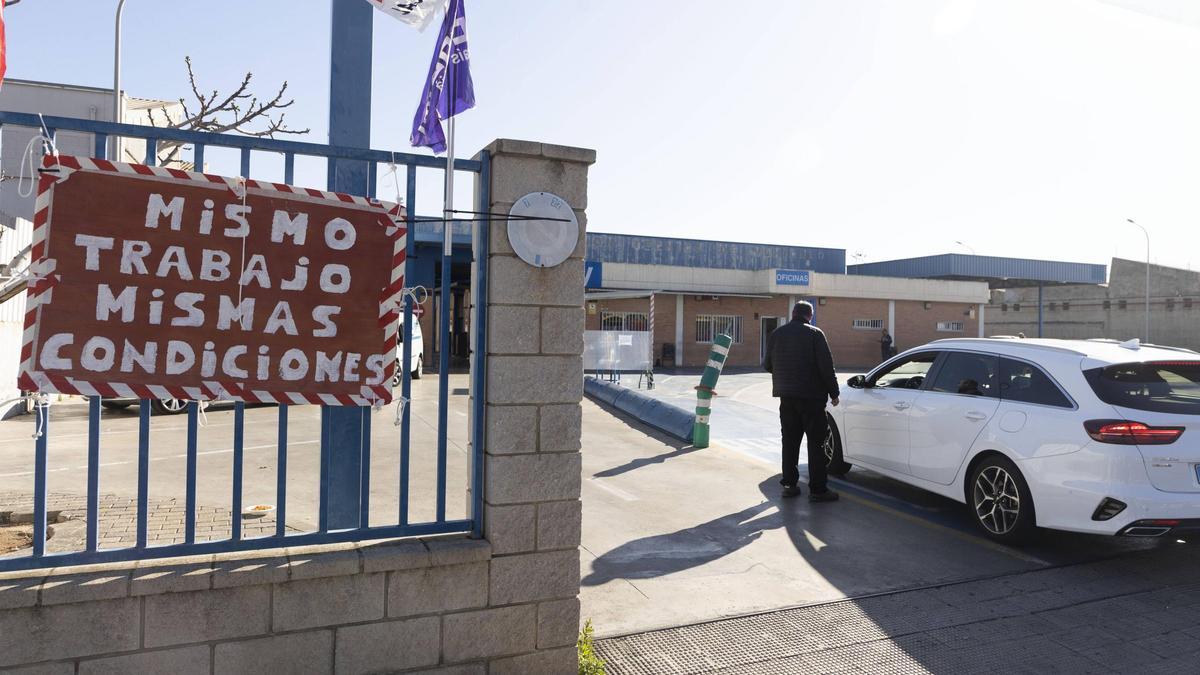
(1125, 432)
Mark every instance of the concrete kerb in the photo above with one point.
(671, 420)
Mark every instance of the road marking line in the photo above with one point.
(114, 432)
(613, 490)
(161, 459)
(990, 545)
(909, 517)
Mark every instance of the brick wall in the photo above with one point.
(745, 353)
(851, 348)
(916, 325)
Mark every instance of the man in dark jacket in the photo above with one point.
(803, 379)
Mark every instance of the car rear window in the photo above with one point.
(1026, 383)
(1157, 386)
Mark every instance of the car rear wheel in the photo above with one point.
(168, 406)
(833, 452)
(416, 373)
(1000, 500)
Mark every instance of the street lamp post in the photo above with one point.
(1147, 233)
(116, 111)
(966, 246)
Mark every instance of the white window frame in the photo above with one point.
(708, 326)
(630, 321)
(867, 324)
(951, 326)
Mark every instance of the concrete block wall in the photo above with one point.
(536, 319)
(507, 603)
(435, 605)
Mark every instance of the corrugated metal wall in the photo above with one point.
(13, 242)
(623, 248)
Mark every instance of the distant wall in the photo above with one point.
(1115, 311)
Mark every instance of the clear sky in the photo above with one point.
(1028, 128)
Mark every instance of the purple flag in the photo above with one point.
(448, 88)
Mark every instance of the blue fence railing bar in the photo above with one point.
(404, 525)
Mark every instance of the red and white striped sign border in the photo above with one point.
(43, 278)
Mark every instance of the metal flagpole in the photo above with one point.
(446, 314)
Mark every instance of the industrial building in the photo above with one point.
(690, 290)
(686, 291)
(1071, 300)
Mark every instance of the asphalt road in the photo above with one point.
(676, 535)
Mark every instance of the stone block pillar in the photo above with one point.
(532, 512)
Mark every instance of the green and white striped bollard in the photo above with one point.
(704, 391)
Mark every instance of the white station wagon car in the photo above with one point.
(1083, 435)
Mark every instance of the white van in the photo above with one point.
(418, 352)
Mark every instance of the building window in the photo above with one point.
(868, 324)
(1170, 304)
(950, 327)
(1053, 306)
(1108, 304)
(1121, 304)
(630, 321)
(1016, 306)
(1187, 303)
(1066, 306)
(1004, 307)
(709, 326)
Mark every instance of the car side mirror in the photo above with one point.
(857, 382)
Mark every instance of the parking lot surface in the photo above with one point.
(67, 462)
(674, 535)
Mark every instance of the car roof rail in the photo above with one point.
(1008, 342)
(1111, 341)
(1171, 349)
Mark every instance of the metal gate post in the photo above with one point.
(344, 441)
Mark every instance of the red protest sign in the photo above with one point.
(160, 283)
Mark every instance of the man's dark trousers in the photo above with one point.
(799, 417)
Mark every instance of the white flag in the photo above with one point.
(416, 13)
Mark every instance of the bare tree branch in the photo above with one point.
(238, 112)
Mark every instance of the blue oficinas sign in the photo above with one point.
(791, 277)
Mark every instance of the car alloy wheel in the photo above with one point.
(168, 406)
(997, 500)
(828, 446)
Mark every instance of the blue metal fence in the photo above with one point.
(327, 531)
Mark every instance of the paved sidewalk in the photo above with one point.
(118, 521)
(1139, 612)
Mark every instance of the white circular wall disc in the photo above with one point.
(543, 243)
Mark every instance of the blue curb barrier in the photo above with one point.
(669, 419)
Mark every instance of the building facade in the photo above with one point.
(66, 100)
(692, 290)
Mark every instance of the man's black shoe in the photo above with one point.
(826, 496)
(791, 491)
